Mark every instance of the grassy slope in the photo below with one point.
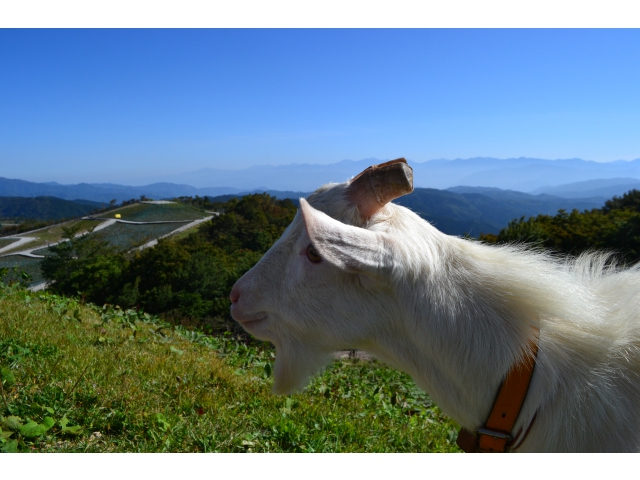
(5, 242)
(145, 212)
(148, 388)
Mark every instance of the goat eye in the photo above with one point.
(313, 255)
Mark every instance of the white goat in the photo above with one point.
(353, 271)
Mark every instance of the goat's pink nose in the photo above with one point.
(234, 296)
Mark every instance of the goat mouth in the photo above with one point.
(250, 322)
(254, 321)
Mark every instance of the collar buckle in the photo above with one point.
(495, 434)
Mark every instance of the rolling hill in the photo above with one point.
(471, 210)
(44, 208)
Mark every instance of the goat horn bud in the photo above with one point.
(379, 184)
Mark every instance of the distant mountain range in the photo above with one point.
(602, 188)
(522, 174)
(574, 178)
(104, 192)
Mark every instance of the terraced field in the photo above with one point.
(144, 212)
(122, 235)
(52, 234)
(127, 236)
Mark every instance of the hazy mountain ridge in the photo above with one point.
(603, 188)
(522, 173)
(104, 192)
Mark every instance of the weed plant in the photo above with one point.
(17, 264)
(83, 378)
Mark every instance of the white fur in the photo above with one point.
(456, 315)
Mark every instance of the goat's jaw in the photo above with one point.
(295, 364)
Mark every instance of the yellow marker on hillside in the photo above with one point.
(118, 215)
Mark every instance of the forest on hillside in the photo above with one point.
(615, 228)
(187, 280)
(45, 208)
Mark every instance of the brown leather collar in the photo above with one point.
(496, 435)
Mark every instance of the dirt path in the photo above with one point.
(19, 243)
(177, 230)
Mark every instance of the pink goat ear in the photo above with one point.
(379, 184)
(349, 248)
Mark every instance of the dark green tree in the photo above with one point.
(615, 228)
(84, 265)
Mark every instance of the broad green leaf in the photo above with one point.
(10, 447)
(5, 434)
(71, 430)
(41, 409)
(48, 422)
(11, 423)
(32, 429)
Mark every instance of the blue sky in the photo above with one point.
(121, 105)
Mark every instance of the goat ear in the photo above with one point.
(347, 247)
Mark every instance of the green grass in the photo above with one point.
(79, 378)
(127, 236)
(145, 212)
(184, 233)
